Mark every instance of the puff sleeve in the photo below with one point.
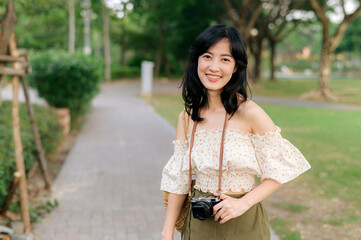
(277, 157)
(174, 178)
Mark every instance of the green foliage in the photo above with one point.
(49, 130)
(41, 24)
(168, 28)
(66, 80)
(37, 213)
(351, 42)
(125, 72)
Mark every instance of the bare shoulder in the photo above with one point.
(256, 117)
(180, 134)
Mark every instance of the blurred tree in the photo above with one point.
(41, 24)
(330, 40)
(163, 31)
(71, 4)
(244, 14)
(106, 43)
(86, 4)
(279, 23)
(351, 42)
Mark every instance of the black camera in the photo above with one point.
(202, 207)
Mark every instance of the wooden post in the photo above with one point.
(17, 142)
(39, 147)
(15, 184)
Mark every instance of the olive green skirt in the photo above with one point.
(252, 225)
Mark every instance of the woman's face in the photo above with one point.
(216, 66)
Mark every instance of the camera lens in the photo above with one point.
(202, 210)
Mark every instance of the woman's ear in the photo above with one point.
(235, 68)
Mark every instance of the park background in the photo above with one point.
(298, 49)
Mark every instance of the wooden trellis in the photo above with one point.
(18, 59)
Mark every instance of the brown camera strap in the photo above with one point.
(220, 157)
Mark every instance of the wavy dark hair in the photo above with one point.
(194, 93)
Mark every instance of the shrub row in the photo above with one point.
(66, 80)
(50, 133)
(125, 72)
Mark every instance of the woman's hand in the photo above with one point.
(229, 208)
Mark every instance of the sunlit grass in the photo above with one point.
(348, 90)
(282, 228)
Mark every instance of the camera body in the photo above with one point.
(202, 207)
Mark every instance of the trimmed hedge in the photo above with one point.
(66, 80)
(50, 133)
(125, 72)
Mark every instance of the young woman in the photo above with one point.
(215, 95)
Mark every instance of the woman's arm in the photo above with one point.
(229, 208)
(232, 207)
(175, 201)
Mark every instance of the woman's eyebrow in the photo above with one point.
(223, 54)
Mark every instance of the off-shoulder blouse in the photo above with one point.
(246, 155)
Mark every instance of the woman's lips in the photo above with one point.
(213, 78)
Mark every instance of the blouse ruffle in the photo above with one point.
(277, 157)
(175, 180)
(246, 155)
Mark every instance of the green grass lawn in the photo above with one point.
(348, 90)
(329, 139)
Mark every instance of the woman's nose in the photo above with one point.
(214, 66)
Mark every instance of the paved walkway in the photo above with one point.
(108, 187)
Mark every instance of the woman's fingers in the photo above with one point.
(217, 207)
(226, 219)
(219, 214)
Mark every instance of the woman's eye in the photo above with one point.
(207, 56)
(226, 60)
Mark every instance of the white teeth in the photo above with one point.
(213, 77)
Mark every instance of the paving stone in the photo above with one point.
(114, 166)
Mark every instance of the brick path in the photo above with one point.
(108, 187)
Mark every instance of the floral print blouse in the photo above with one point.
(246, 155)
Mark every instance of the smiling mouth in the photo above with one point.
(213, 78)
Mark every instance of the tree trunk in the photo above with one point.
(166, 65)
(71, 25)
(323, 80)
(272, 46)
(107, 59)
(87, 9)
(123, 45)
(257, 66)
(158, 59)
(256, 48)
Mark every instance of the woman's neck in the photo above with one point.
(214, 101)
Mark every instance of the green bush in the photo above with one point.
(125, 72)
(50, 134)
(66, 80)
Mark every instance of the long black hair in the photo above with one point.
(193, 91)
